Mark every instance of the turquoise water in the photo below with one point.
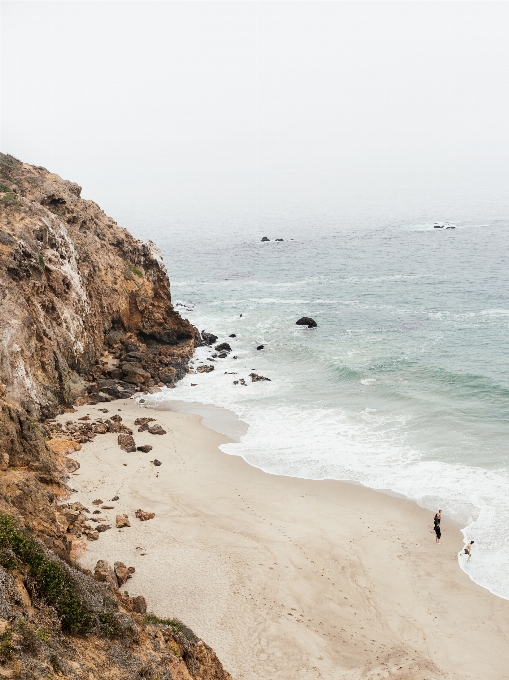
(404, 385)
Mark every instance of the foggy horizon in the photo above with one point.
(233, 107)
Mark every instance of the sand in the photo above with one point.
(288, 579)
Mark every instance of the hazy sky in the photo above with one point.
(132, 97)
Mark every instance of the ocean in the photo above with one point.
(404, 384)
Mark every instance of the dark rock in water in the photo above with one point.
(157, 463)
(261, 347)
(223, 347)
(255, 377)
(208, 338)
(232, 335)
(280, 239)
(306, 321)
(145, 448)
(235, 357)
(222, 355)
(265, 238)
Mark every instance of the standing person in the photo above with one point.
(436, 522)
(467, 550)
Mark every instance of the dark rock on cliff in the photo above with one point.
(306, 321)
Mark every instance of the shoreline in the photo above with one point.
(287, 577)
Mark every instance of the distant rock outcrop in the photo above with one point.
(306, 321)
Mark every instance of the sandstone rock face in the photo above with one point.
(68, 275)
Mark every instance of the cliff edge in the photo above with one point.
(72, 284)
(85, 317)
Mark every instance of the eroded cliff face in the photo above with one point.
(85, 316)
(71, 278)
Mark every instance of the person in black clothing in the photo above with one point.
(436, 521)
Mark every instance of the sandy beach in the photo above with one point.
(287, 578)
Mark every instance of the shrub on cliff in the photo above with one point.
(81, 607)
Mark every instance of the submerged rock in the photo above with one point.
(204, 369)
(255, 377)
(306, 321)
(223, 347)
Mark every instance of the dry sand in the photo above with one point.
(288, 579)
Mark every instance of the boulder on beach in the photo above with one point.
(122, 521)
(156, 429)
(126, 442)
(306, 321)
(143, 515)
(122, 573)
(145, 448)
(157, 463)
(105, 574)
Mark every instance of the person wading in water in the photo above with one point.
(436, 521)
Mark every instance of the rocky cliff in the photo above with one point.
(72, 284)
(85, 316)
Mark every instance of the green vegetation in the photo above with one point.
(136, 271)
(53, 582)
(6, 646)
(44, 634)
(11, 199)
(42, 264)
(4, 189)
(175, 624)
